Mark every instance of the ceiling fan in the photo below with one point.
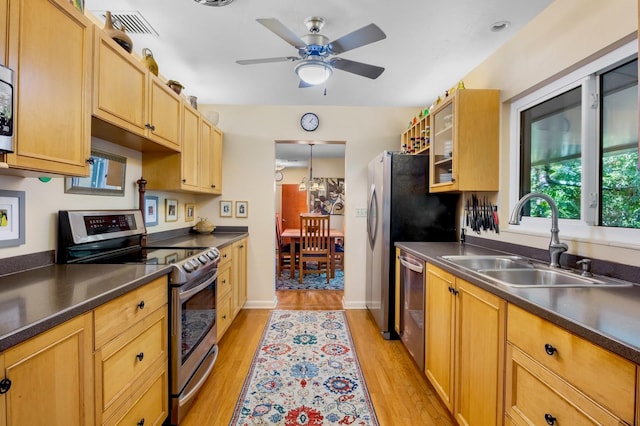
(315, 51)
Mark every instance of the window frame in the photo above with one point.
(585, 228)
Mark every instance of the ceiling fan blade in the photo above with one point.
(365, 35)
(283, 32)
(267, 60)
(359, 68)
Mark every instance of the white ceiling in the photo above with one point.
(430, 45)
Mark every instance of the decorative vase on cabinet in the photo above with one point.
(118, 35)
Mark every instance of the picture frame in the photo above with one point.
(170, 210)
(171, 258)
(150, 210)
(242, 209)
(189, 212)
(12, 213)
(225, 209)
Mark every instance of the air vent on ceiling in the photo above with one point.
(214, 2)
(132, 20)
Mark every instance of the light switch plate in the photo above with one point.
(361, 212)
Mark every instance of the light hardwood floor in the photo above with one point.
(400, 393)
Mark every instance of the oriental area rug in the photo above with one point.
(305, 372)
(310, 282)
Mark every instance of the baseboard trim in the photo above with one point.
(260, 304)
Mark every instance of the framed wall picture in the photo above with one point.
(225, 209)
(170, 210)
(242, 209)
(189, 212)
(150, 210)
(12, 211)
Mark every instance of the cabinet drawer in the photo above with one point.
(606, 377)
(226, 254)
(224, 280)
(124, 360)
(535, 396)
(121, 313)
(152, 406)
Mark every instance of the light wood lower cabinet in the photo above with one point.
(232, 284)
(464, 356)
(240, 275)
(51, 377)
(555, 376)
(131, 357)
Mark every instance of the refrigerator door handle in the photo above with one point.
(372, 228)
(409, 263)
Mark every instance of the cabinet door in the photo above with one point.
(190, 148)
(216, 166)
(4, 24)
(479, 355)
(439, 330)
(207, 171)
(444, 155)
(240, 275)
(164, 115)
(52, 377)
(119, 87)
(50, 51)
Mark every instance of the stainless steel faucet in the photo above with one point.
(556, 248)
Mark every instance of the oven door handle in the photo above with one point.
(184, 295)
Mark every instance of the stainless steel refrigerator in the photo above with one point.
(400, 208)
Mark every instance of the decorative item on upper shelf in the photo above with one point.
(461, 85)
(147, 59)
(425, 112)
(175, 86)
(193, 101)
(118, 35)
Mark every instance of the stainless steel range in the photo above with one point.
(115, 236)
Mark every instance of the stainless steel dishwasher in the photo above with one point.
(412, 284)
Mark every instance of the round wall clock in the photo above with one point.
(279, 176)
(309, 121)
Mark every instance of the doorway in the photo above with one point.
(310, 178)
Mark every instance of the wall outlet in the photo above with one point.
(361, 212)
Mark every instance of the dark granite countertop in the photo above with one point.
(36, 300)
(216, 239)
(609, 317)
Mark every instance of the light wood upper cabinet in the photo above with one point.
(127, 97)
(216, 165)
(50, 49)
(464, 142)
(193, 169)
(465, 338)
(51, 377)
(4, 24)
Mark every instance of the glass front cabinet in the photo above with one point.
(464, 142)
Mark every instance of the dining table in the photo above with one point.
(295, 235)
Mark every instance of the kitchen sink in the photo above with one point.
(477, 263)
(515, 271)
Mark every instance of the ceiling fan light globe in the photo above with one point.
(314, 72)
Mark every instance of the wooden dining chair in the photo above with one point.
(315, 245)
(283, 252)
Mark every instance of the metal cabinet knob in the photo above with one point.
(549, 419)
(141, 422)
(140, 356)
(5, 385)
(549, 349)
(150, 126)
(141, 305)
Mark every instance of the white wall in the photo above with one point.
(560, 39)
(248, 165)
(43, 200)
